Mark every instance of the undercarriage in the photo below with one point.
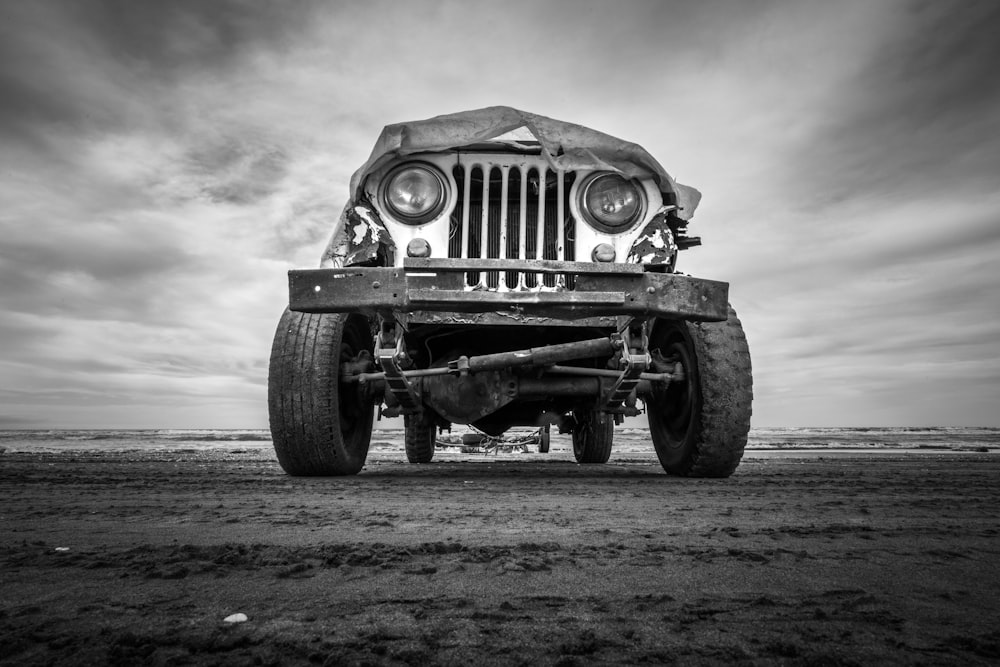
(494, 378)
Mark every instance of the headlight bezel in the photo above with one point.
(601, 225)
(422, 218)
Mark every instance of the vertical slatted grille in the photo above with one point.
(511, 212)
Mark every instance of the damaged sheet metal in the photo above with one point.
(358, 238)
(655, 244)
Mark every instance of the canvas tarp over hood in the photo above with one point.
(565, 146)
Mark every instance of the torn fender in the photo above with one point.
(359, 238)
(656, 244)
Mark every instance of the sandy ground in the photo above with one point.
(129, 557)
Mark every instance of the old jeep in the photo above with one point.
(497, 268)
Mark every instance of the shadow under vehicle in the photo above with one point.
(497, 268)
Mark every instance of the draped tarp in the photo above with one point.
(564, 145)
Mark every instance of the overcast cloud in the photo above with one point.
(162, 164)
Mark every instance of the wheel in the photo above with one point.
(319, 425)
(699, 425)
(419, 437)
(592, 436)
(544, 438)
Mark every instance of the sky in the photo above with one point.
(164, 163)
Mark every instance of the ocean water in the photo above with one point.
(946, 438)
(126, 439)
(938, 437)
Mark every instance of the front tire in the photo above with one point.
(592, 436)
(319, 425)
(699, 424)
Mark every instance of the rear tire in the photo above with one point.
(319, 426)
(544, 439)
(419, 437)
(592, 436)
(699, 425)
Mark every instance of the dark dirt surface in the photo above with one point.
(137, 558)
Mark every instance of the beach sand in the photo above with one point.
(128, 557)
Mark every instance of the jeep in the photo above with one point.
(498, 269)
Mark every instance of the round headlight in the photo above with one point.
(611, 202)
(414, 193)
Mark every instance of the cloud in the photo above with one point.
(77, 62)
(919, 116)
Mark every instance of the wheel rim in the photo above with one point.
(350, 404)
(676, 406)
(579, 433)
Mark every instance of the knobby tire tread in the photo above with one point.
(418, 438)
(727, 398)
(592, 439)
(717, 441)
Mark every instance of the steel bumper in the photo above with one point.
(439, 285)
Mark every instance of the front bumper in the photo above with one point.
(439, 285)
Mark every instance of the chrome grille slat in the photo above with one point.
(540, 221)
(502, 241)
(560, 217)
(485, 217)
(522, 220)
(462, 239)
